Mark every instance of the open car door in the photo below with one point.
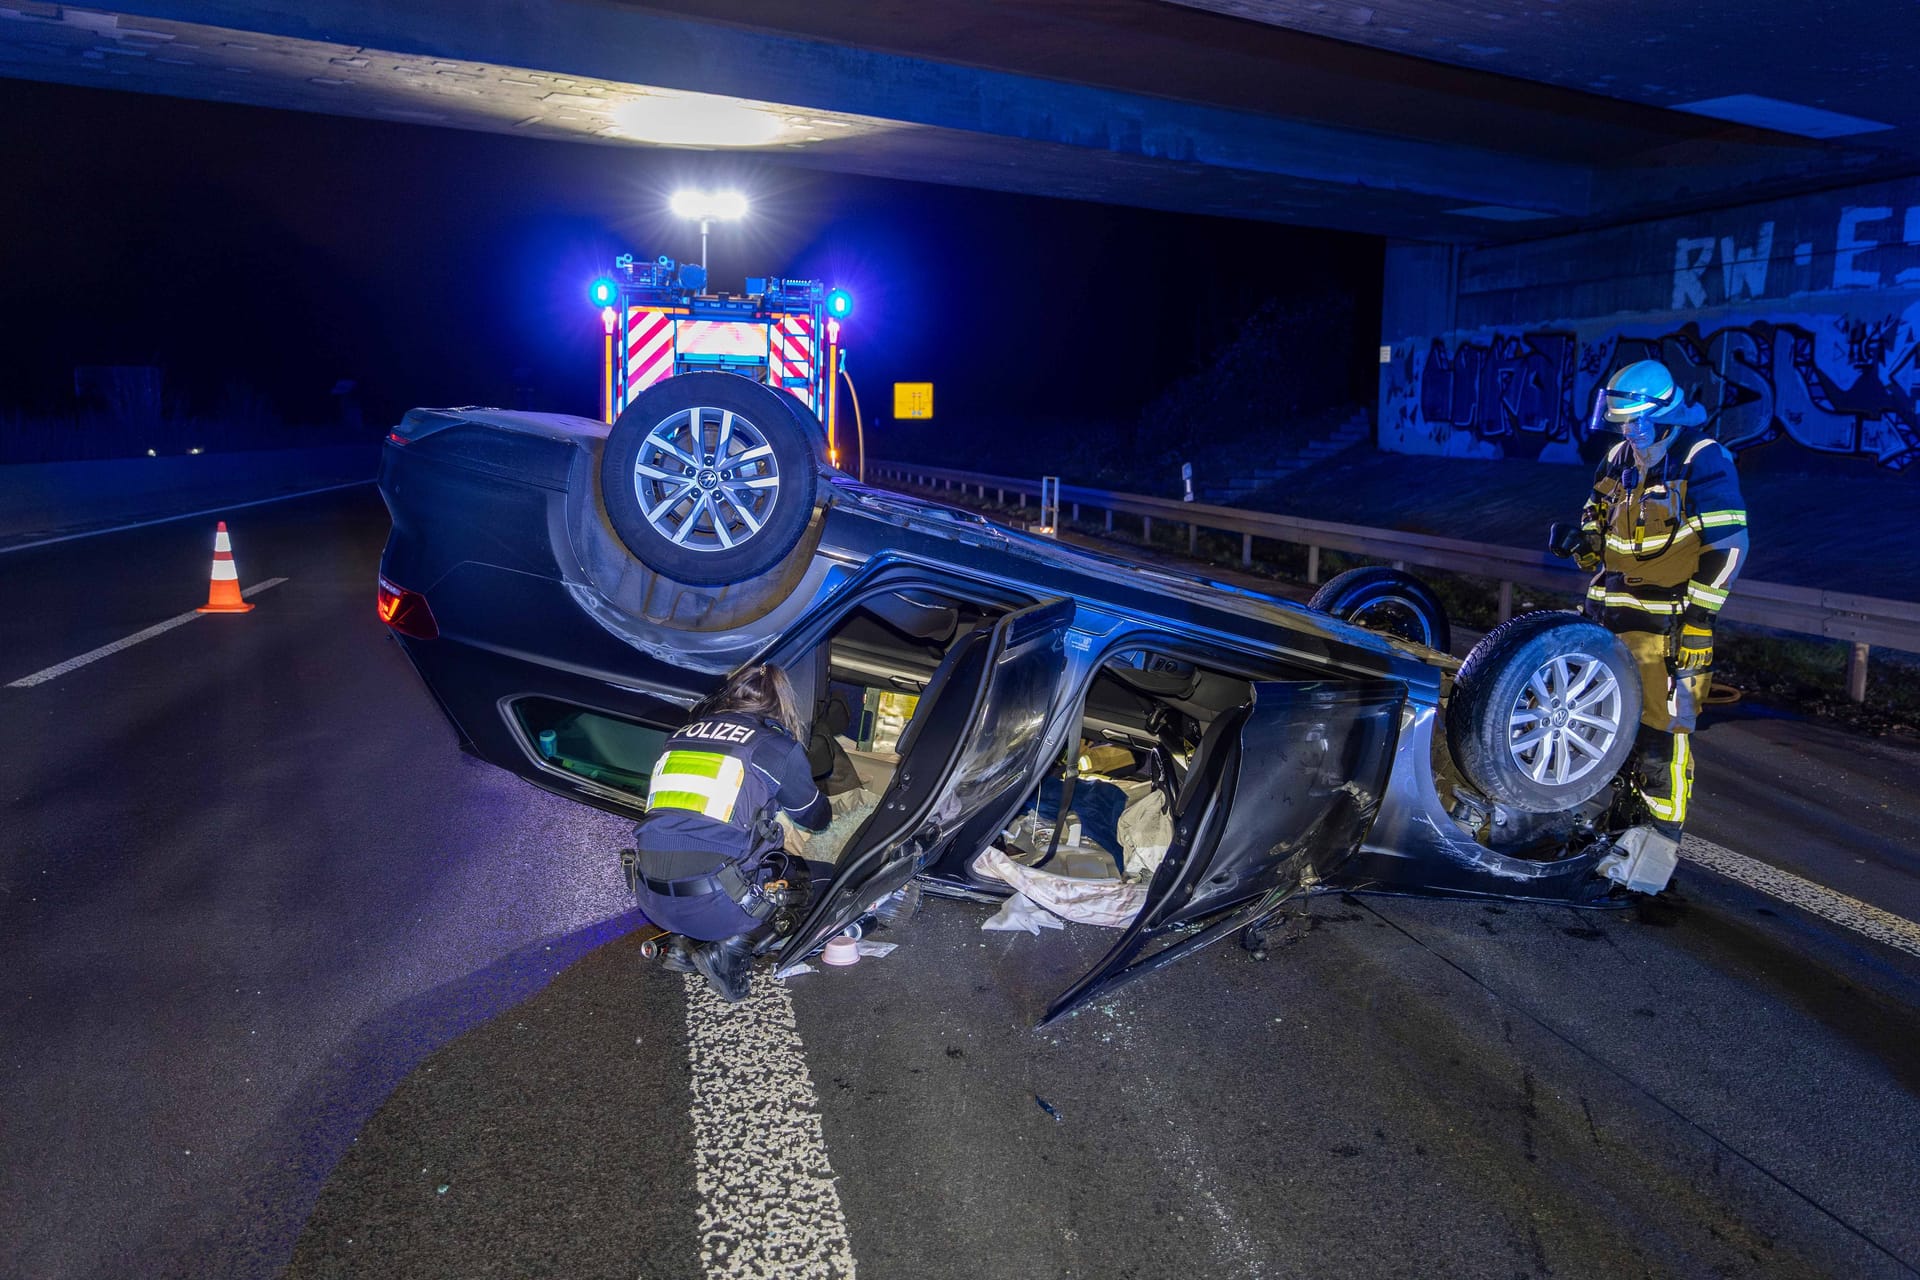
(1280, 792)
(972, 743)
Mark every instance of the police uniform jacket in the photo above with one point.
(1674, 534)
(715, 789)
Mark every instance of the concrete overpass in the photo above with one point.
(1418, 119)
(1566, 184)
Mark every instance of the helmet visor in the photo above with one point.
(1620, 406)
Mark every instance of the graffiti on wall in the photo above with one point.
(1842, 385)
(1869, 247)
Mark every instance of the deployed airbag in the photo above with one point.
(1111, 903)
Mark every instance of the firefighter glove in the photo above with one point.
(1694, 651)
(1578, 543)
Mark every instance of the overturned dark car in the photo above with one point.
(568, 591)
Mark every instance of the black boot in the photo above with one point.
(677, 956)
(727, 967)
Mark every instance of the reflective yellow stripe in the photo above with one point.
(704, 782)
(1621, 600)
(1638, 544)
(1706, 597)
(1673, 808)
(1682, 775)
(1719, 519)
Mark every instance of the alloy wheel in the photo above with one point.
(707, 479)
(1565, 720)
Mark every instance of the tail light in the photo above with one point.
(406, 612)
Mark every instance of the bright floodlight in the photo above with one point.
(697, 121)
(720, 206)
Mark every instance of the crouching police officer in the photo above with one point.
(708, 853)
(1665, 529)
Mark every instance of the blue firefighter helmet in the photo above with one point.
(1643, 389)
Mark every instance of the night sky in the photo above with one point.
(266, 253)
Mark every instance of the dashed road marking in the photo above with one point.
(1829, 904)
(108, 650)
(190, 515)
(769, 1208)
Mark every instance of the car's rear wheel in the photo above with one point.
(1544, 711)
(1389, 601)
(710, 478)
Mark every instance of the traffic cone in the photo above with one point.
(224, 595)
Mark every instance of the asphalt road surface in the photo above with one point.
(290, 985)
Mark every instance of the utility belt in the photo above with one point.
(729, 880)
(732, 879)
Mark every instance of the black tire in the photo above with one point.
(735, 525)
(1491, 713)
(1389, 601)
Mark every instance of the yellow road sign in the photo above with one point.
(913, 399)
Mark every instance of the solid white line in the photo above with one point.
(1862, 917)
(769, 1208)
(191, 515)
(106, 650)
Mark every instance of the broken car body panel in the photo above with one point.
(972, 747)
(1279, 796)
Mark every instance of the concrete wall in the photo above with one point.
(1796, 323)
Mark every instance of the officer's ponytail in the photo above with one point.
(761, 689)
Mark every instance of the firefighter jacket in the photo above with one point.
(1674, 534)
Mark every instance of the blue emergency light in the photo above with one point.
(839, 303)
(603, 292)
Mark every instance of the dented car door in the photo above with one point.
(972, 745)
(1280, 793)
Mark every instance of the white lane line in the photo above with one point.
(107, 650)
(769, 1208)
(1862, 917)
(191, 515)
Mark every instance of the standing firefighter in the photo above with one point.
(1667, 531)
(708, 856)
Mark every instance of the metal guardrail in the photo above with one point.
(1862, 621)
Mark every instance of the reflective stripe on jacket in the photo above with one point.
(706, 782)
(1674, 537)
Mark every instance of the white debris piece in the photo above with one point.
(1022, 914)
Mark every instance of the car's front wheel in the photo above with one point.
(1390, 601)
(710, 478)
(1544, 711)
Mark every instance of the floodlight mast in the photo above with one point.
(728, 206)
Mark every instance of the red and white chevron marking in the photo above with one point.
(649, 349)
(793, 354)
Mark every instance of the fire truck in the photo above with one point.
(660, 321)
(721, 413)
